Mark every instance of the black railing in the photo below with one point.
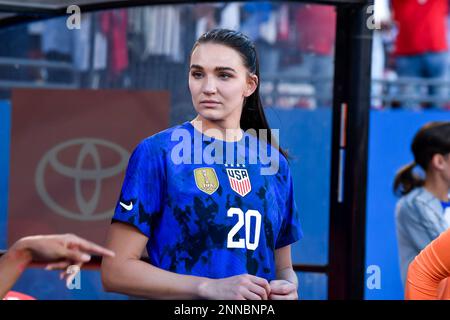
(391, 93)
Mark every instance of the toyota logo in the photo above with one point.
(88, 147)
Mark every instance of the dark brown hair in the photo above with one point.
(253, 116)
(433, 138)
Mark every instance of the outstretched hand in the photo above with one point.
(59, 251)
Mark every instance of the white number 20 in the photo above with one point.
(241, 243)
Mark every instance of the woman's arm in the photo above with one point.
(126, 273)
(286, 285)
(54, 251)
(428, 269)
(12, 265)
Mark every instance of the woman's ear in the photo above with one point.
(252, 84)
(438, 161)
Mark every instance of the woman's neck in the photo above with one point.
(220, 129)
(437, 186)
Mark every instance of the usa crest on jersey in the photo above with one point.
(239, 179)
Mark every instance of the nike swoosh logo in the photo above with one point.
(127, 207)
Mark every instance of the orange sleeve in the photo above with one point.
(428, 269)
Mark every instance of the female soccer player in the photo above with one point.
(423, 213)
(215, 226)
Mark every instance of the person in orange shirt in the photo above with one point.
(429, 272)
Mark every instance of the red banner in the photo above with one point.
(69, 152)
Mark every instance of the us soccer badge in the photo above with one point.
(239, 179)
(206, 180)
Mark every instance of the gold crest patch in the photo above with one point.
(206, 180)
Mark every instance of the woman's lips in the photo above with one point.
(210, 103)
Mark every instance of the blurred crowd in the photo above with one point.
(410, 60)
(146, 48)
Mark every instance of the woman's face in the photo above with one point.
(446, 169)
(219, 82)
(441, 165)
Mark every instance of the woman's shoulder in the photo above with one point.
(162, 139)
(419, 195)
(418, 200)
(410, 198)
(264, 148)
(279, 164)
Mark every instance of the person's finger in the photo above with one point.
(280, 297)
(282, 287)
(57, 265)
(88, 246)
(249, 295)
(76, 256)
(261, 282)
(260, 291)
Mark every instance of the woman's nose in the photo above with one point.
(209, 86)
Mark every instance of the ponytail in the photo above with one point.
(253, 117)
(406, 180)
(433, 138)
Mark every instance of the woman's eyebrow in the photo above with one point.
(225, 69)
(196, 66)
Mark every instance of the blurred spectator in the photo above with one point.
(421, 213)
(382, 21)
(421, 44)
(14, 47)
(260, 25)
(230, 16)
(113, 25)
(316, 28)
(57, 45)
(205, 16)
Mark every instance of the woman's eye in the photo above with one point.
(196, 74)
(224, 75)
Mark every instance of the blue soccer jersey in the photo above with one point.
(208, 219)
(446, 206)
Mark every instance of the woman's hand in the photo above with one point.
(58, 251)
(283, 290)
(241, 287)
(54, 251)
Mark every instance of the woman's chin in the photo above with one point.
(211, 115)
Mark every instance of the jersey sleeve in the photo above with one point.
(290, 230)
(140, 201)
(428, 269)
